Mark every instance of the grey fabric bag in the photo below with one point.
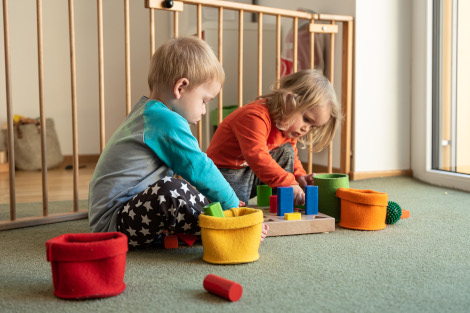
(28, 146)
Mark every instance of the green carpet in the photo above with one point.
(420, 264)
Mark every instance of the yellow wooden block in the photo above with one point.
(292, 216)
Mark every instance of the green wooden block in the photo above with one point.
(263, 193)
(214, 209)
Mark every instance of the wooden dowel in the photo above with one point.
(260, 54)
(101, 75)
(199, 21)
(199, 34)
(42, 115)
(310, 137)
(332, 79)
(240, 58)
(278, 47)
(312, 50)
(74, 104)
(296, 43)
(220, 108)
(10, 138)
(176, 31)
(152, 31)
(127, 55)
(346, 96)
(332, 56)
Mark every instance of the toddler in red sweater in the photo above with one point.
(257, 143)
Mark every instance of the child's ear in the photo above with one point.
(180, 86)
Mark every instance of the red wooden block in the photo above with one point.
(170, 242)
(187, 238)
(223, 287)
(273, 204)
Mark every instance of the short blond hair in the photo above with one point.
(301, 92)
(185, 57)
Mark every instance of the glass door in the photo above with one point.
(451, 86)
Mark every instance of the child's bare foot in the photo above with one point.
(264, 231)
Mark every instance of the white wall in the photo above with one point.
(382, 85)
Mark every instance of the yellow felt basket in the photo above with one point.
(233, 239)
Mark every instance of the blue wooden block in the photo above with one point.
(311, 200)
(285, 200)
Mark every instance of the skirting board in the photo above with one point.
(377, 174)
(308, 224)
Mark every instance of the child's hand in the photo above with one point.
(264, 231)
(305, 180)
(241, 203)
(299, 195)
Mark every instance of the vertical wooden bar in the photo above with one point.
(240, 58)
(310, 137)
(260, 53)
(176, 31)
(152, 31)
(101, 75)
(332, 79)
(199, 34)
(127, 55)
(220, 108)
(10, 141)
(74, 104)
(42, 115)
(346, 96)
(278, 47)
(296, 44)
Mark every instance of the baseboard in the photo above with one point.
(83, 158)
(361, 175)
(377, 174)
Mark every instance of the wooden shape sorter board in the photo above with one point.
(308, 224)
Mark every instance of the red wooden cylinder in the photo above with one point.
(223, 287)
(273, 204)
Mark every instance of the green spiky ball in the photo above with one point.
(393, 213)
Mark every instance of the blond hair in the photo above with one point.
(185, 57)
(301, 92)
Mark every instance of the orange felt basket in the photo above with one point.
(362, 209)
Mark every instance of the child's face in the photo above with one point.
(316, 117)
(191, 103)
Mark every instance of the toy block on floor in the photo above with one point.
(311, 200)
(214, 209)
(285, 200)
(170, 242)
(405, 213)
(263, 192)
(187, 238)
(292, 216)
(223, 287)
(273, 204)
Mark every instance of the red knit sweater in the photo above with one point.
(245, 137)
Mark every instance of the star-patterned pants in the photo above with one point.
(170, 204)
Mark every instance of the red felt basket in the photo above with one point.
(89, 265)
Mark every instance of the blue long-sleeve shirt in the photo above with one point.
(152, 142)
